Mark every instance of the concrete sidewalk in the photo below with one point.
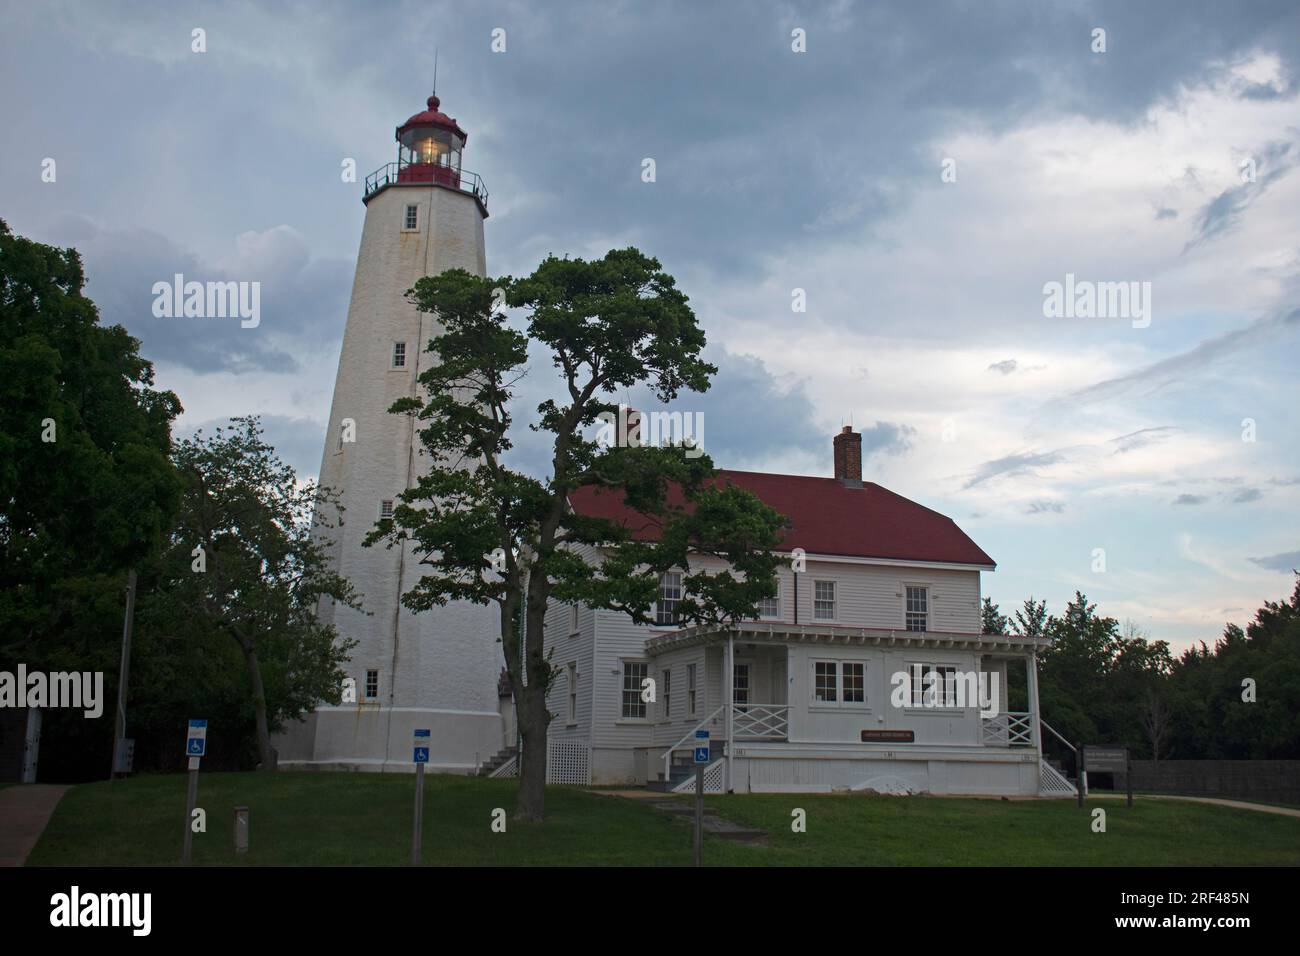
(25, 809)
(1216, 801)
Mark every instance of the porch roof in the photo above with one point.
(777, 632)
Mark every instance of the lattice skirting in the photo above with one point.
(715, 775)
(566, 763)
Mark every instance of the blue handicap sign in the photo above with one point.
(701, 754)
(196, 738)
(420, 745)
(701, 746)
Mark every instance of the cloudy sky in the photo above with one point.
(1170, 159)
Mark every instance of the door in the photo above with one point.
(780, 681)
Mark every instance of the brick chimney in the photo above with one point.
(848, 457)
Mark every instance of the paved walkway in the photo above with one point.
(1217, 801)
(24, 811)
(713, 825)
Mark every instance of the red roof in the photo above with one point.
(433, 117)
(825, 517)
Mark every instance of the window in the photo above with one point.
(412, 217)
(634, 672)
(769, 607)
(386, 508)
(573, 693)
(839, 683)
(825, 681)
(855, 682)
(670, 592)
(823, 600)
(399, 355)
(941, 693)
(740, 684)
(690, 690)
(666, 695)
(573, 620)
(918, 608)
(372, 685)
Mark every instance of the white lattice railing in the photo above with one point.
(714, 777)
(760, 721)
(1007, 730)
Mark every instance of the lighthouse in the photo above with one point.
(436, 670)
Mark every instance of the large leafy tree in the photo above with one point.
(243, 561)
(492, 534)
(86, 487)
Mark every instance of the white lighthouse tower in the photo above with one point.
(437, 669)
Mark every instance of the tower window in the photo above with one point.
(412, 217)
(372, 685)
(399, 355)
(386, 508)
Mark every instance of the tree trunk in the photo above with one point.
(534, 715)
(533, 720)
(264, 749)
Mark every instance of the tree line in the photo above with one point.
(1103, 682)
(217, 528)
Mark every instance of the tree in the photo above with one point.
(86, 487)
(242, 561)
(489, 533)
(991, 621)
(1031, 620)
(1155, 721)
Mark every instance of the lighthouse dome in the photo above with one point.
(433, 117)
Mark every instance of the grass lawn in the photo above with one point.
(333, 819)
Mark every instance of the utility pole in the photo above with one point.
(124, 673)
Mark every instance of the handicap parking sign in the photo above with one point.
(701, 746)
(421, 746)
(196, 738)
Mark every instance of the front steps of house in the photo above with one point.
(499, 759)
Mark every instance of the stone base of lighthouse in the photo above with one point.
(441, 674)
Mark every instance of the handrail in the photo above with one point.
(690, 734)
(390, 174)
(1058, 736)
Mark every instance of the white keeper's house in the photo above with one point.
(799, 700)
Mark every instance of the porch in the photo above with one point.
(799, 694)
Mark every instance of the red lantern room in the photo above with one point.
(429, 145)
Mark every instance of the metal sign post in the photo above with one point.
(420, 754)
(701, 761)
(196, 744)
(1128, 776)
(1080, 768)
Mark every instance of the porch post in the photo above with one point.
(729, 701)
(1035, 724)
